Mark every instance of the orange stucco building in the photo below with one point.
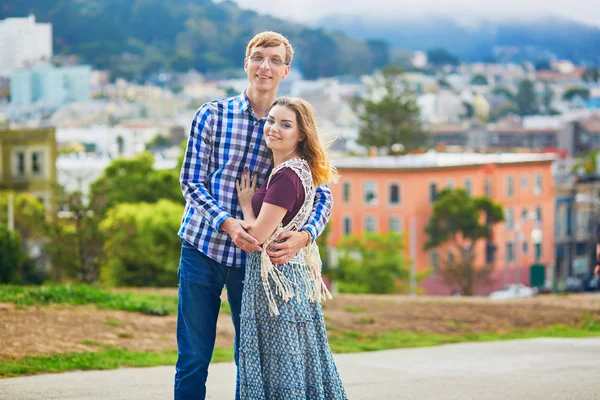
(380, 194)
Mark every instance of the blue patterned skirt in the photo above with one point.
(284, 357)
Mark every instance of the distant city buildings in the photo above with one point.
(28, 162)
(44, 88)
(391, 194)
(51, 86)
(23, 41)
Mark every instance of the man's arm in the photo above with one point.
(194, 180)
(321, 212)
(280, 253)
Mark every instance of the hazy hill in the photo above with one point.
(540, 39)
(135, 38)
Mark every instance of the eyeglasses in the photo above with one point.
(257, 59)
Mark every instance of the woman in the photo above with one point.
(284, 352)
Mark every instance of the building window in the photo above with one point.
(450, 257)
(370, 189)
(395, 224)
(490, 252)
(433, 192)
(394, 193)
(36, 162)
(510, 218)
(524, 182)
(487, 187)
(537, 184)
(583, 224)
(510, 186)
(434, 261)
(538, 251)
(20, 163)
(525, 247)
(346, 192)
(510, 254)
(347, 226)
(469, 187)
(561, 221)
(370, 224)
(450, 184)
(538, 214)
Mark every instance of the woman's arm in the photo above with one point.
(269, 218)
(270, 215)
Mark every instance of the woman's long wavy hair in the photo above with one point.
(312, 149)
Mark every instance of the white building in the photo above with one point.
(126, 139)
(77, 172)
(23, 41)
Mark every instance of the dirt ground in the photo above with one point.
(48, 330)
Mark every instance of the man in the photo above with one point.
(226, 138)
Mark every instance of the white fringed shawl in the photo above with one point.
(307, 260)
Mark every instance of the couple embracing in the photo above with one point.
(255, 178)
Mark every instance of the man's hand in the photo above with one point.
(236, 229)
(280, 253)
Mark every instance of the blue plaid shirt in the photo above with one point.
(224, 138)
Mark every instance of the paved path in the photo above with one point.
(538, 369)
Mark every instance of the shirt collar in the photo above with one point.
(244, 103)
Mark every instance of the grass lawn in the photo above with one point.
(355, 324)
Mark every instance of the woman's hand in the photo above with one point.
(246, 187)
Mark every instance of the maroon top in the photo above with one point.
(285, 190)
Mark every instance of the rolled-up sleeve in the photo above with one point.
(321, 212)
(194, 177)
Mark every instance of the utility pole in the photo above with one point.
(11, 212)
(413, 256)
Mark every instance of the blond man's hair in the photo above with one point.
(271, 39)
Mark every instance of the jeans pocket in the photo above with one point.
(188, 246)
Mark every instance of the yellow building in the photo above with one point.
(28, 163)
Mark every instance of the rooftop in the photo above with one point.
(433, 159)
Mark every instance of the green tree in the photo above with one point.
(591, 75)
(132, 181)
(588, 164)
(460, 221)
(389, 113)
(31, 224)
(29, 216)
(503, 91)
(479, 80)
(10, 255)
(576, 92)
(547, 98)
(158, 141)
(526, 98)
(374, 263)
(322, 244)
(141, 247)
(441, 56)
(75, 241)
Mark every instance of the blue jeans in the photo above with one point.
(201, 282)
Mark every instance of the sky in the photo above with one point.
(465, 11)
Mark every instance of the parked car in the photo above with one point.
(590, 281)
(513, 291)
(574, 284)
